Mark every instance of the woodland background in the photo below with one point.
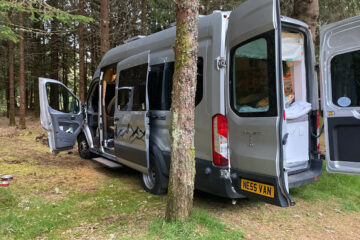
(69, 48)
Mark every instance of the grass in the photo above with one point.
(94, 202)
(201, 225)
(343, 189)
(103, 212)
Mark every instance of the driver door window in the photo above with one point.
(60, 99)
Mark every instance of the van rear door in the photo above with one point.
(255, 107)
(60, 114)
(340, 73)
(131, 113)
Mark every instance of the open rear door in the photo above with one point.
(60, 114)
(255, 108)
(131, 114)
(340, 72)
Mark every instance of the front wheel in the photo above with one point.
(154, 181)
(83, 148)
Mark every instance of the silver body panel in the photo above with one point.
(336, 39)
(57, 123)
(254, 144)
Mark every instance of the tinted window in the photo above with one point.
(155, 87)
(253, 77)
(61, 99)
(135, 77)
(345, 79)
(125, 100)
(160, 85)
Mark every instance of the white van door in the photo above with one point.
(340, 73)
(60, 114)
(255, 102)
(131, 114)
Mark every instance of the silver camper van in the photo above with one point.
(257, 105)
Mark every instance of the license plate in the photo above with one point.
(258, 188)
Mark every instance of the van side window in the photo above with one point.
(125, 99)
(135, 78)
(253, 89)
(60, 99)
(345, 79)
(160, 85)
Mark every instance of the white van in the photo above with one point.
(256, 114)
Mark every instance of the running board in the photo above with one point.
(108, 163)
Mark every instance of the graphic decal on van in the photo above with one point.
(137, 134)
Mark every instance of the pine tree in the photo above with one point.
(182, 164)
(22, 123)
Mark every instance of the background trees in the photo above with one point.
(68, 47)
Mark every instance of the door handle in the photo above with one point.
(116, 119)
(72, 118)
(356, 114)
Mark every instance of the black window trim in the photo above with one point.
(273, 111)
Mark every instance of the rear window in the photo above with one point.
(253, 89)
(345, 79)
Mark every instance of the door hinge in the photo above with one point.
(220, 63)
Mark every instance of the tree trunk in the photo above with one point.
(11, 82)
(143, 17)
(182, 165)
(81, 55)
(22, 123)
(11, 85)
(104, 27)
(37, 69)
(75, 90)
(308, 12)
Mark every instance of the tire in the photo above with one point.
(83, 148)
(155, 182)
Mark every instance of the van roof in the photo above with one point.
(166, 39)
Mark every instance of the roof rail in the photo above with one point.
(134, 38)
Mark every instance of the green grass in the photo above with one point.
(33, 216)
(107, 210)
(344, 189)
(201, 225)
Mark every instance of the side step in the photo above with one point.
(108, 163)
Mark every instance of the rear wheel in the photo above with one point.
(83, 148)
(154, 181)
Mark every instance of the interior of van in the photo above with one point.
(296, 106)
(108, 106)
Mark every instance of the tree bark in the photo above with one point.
(37, 68)
(143, 17)
(308, 12)
(22, 123)
(182, 165)
(104, 27)
(12, 121)
(11, 84)
(75, 89)
(81, 55)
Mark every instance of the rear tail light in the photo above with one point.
(220, 140)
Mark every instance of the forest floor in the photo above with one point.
(65, 197)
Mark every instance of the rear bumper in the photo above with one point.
(214, 180)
